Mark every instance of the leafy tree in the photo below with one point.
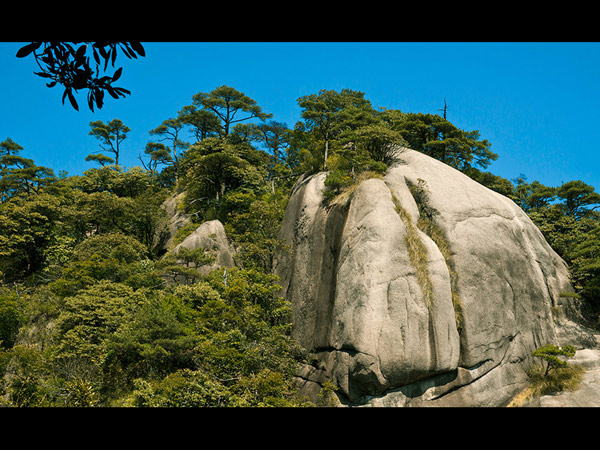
(274, 136)
(153, 344)
(114, 257)
(577, 197)
(124, 248)
(571, 228)
(440, 139)
(375, 142)
(184, 389)
(12, 317)
(8, 147)
(558, 375)
(110, 135)
(23, 177)
(27, 385)
(322, 114)
(100, 159)
(227, 104)
(215, 167)
(20, 175)
(204, 123)
(170, 130)
(69, 66)
(534, 195)
(253, 222)
(585, 265)
(181, 266)
(114, 180)
(88, 320)
(26, 226)
(560, 230)
(159, 154)
(257, 290)
(144, 218)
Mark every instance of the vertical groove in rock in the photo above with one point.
(335, 248)
(427, 224)
(417, 252)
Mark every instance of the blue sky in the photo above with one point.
(538, 103)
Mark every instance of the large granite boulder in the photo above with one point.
(422, 288)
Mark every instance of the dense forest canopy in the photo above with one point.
(90, 314)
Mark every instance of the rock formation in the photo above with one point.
(176, 219)
(210, 236)
(422, 288)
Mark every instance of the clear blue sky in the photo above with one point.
(538, 103)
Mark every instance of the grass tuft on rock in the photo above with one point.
(416, 252)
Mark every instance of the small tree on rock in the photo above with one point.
(551, 354)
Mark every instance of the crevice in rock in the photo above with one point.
(417, 252)
(470, 374)
(349, 350)
(427, 224)
(327, 286)
(434, 387)
(492, 213)
(466, 379)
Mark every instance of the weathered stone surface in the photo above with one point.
(210, 236)
(177, 219)
(361, 306)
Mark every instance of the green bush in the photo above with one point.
(550, 354)
(556, 375)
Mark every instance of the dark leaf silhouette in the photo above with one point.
(25, 51)
(71, 66)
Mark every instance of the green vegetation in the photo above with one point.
(94, 311)
(567, 217)
(427, 225)
(417, 253)
(557, 375)
(550, 354)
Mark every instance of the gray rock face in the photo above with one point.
(210, 236)
(425, 288)
(177, 219)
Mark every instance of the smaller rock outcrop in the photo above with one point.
(210, 236)
(176, 219)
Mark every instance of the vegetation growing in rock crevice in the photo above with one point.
(417, 253)
(417, 250)
(427, 224)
